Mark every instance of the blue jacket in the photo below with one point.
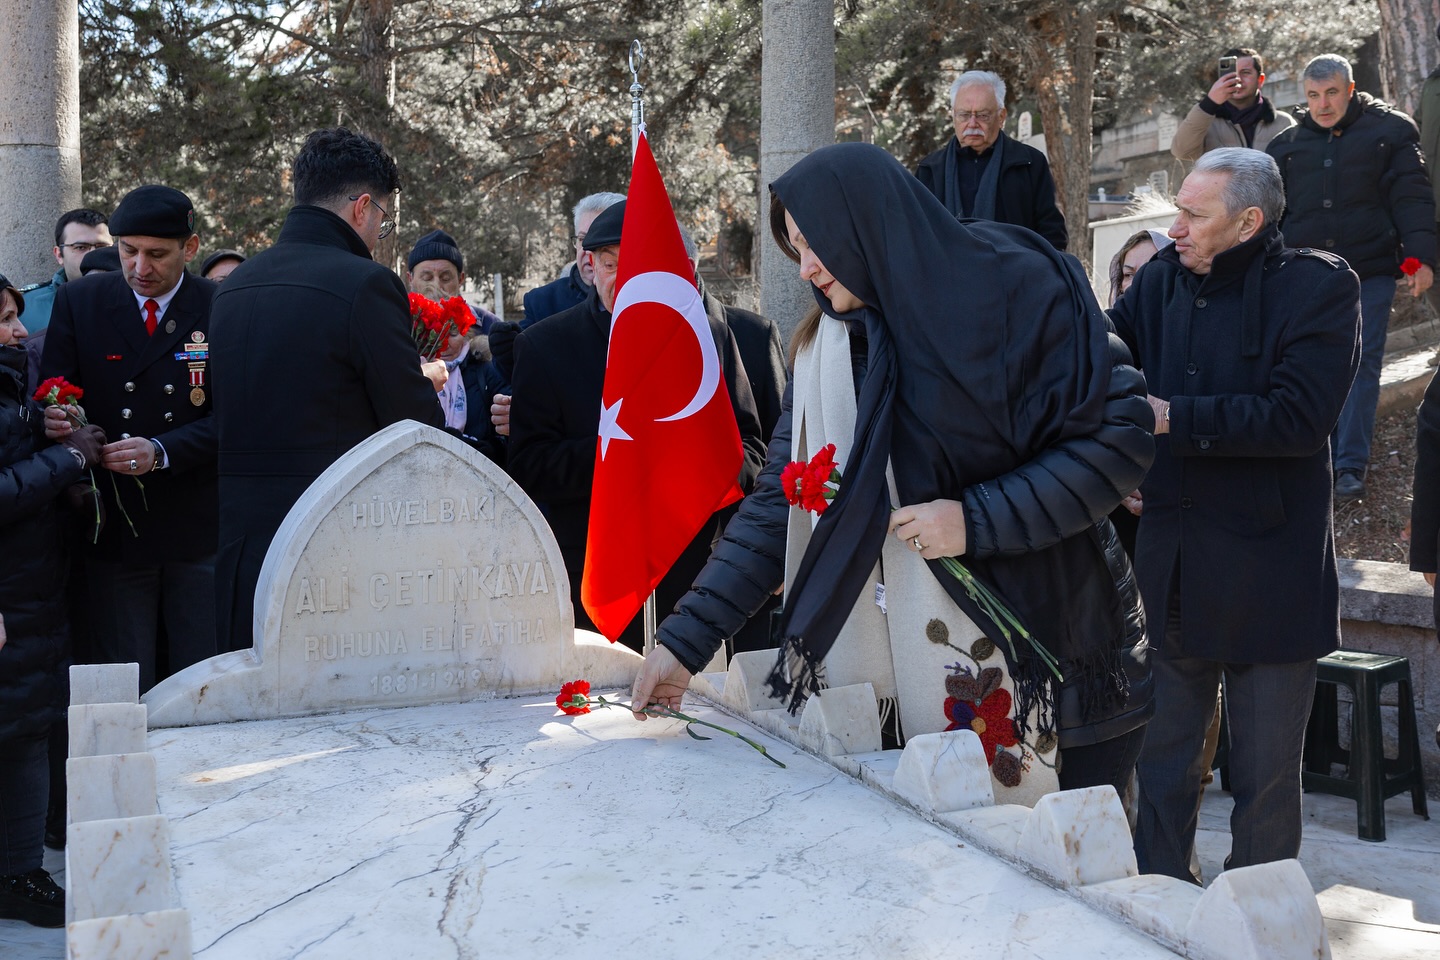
(40, 300)
(559, 294)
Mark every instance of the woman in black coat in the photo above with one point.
(985, 379)
(33, 472)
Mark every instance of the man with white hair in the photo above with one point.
(1248, 348)
(983, 174)
(575, 285)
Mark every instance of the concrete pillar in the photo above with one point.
(39, 131)
(797, 115)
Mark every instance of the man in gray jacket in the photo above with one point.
(1233, 113)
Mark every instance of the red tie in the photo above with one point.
(151, 316)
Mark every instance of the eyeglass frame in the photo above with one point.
(387, 225)
(984, 116)
(86, 245)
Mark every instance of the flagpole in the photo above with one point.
(637, 101)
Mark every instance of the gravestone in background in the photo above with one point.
(412, 571)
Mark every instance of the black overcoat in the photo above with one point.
(555, 420)
(141, 386)
(313, 354)
(1256, 359)
(1026, 190)
(33, 472)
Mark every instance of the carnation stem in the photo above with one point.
(655, 710)
(123, 512)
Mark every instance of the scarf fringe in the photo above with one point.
(798, 673)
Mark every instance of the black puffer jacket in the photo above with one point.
(1358, 190)
(1056, 501)
(32, 578)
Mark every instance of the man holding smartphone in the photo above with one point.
(1233, 113)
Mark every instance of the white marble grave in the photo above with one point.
(412, 571)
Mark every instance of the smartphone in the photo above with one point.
(1227, 65)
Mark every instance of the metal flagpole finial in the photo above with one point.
(637, 102)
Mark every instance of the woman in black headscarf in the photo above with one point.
(988, 393)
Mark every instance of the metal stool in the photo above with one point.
(1371, 777)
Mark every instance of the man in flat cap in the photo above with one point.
(221, 264)
(436, 269)
(312, 355)
(137, 343)
(555, 415)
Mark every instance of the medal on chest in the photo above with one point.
(197, 352)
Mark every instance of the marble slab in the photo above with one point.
(1264, 912)
(158, 935)
(110, 787)
(117, 867)
(1079, 837)
(944, 772)
(841, 720)
(412, 571)
(104, 683)
(501, 829)
(100, 729)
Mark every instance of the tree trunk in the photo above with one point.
(375, 76)
(1408, 49)
(1061, 44)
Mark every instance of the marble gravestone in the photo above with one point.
(412, 571)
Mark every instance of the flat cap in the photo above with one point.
(436, 245)
(101, 258)
(605, 229)
(219, 255)
(154, 211)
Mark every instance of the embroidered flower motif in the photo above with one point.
(937, 632)
(962, 685)
(1006, 768)
(989, 718)
(1045, 743)
(982, 649)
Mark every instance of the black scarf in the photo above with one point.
(985, 346)
(1249, 118)
(982, 207)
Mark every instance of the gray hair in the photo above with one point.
(972, 78)
(595, 203)
(691, 251)
(1326, 66)
(1254, 180)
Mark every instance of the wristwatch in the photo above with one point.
(160, 455)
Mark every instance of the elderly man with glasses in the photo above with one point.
(312, 354)
(983, 174)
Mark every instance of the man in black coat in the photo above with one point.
(137, 343)
(1252, 346)
(1355, 186)
(555, 420)
(575, 285)
(313, 354)
(983, 174)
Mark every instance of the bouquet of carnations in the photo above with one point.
(432, 324)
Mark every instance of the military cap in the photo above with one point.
(605, 229)
(154, 211)
(436, 245)
(101, 258)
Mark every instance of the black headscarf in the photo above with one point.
(986, 346)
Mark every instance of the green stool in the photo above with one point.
(1371, 776)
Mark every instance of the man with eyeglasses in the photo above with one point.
(77, 232)
(984, 175)
(579, 278)
(312, 354)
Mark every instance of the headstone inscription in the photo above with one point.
(412, 571)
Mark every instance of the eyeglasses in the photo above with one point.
(84, 247)
(984, 116)
(386, 224)
(579, 239)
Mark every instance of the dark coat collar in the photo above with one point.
(307, 224)
(1359, 104)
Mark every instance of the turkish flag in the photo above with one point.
(668, 455)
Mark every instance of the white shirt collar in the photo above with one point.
(162, 301)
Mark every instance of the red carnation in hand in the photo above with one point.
(574, 698)
(1410, 266)
(459, 314)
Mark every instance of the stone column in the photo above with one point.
(797, 115)
(39, 131)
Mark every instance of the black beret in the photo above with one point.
(605, 229)
(154, 211)
(436, 245)
(19, 297)
(219, 255)
(101, 258)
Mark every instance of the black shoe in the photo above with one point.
(55, 839)
(34, 898)
(1349, 486)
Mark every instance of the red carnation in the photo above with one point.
(574, 698)
(790, 477)
(1410, 266)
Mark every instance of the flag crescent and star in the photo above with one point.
(668, 453)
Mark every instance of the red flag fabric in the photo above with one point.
(668, 455)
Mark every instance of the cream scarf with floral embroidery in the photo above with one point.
(920, 648)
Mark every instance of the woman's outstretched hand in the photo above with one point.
(934, 529)
(662, 679)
